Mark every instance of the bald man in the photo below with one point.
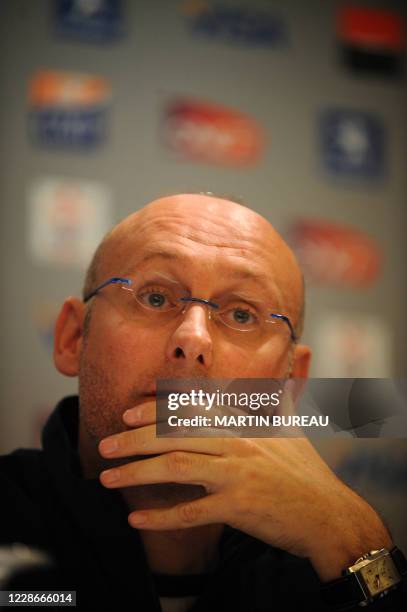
(138, 522)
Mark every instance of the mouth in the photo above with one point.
(161, 394)
(145, 397)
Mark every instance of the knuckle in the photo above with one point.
(134, 437)
(243, 447)
(249, 446)
(189, 513)
(178, 463)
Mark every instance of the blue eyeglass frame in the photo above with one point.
(127, 281)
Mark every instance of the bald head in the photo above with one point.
(214, 226)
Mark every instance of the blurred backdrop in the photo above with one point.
(297, 109)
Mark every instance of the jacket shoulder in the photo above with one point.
(18, 467)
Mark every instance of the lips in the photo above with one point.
(164, 392)
(144, 397)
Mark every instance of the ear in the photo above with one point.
(68, 336)
(301, 361)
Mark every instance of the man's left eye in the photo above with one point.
(243, 316)
(156, 300)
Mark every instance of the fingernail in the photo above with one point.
(132, 417)
(108, 446)
(138, 519)
(110, 476)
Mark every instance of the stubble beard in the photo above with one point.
(101, 410)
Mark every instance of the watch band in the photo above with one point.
(399, 561)
(346, 591)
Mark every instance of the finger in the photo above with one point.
(146, 413)
(203, 511)
(178, 466)
(143, 414)
(143, 441)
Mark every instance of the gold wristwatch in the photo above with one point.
(369, 578)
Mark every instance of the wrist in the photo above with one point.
(331, 565)
(348, 539)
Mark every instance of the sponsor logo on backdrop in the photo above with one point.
(208, 132)
(67, 109)
(66, 220)
(233, 24)
(93, 20)
(335, 254)
(352, 344)
(352, 144)
(372, 41)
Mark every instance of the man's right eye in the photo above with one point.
(154, 299)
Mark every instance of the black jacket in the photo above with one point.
(46, 503)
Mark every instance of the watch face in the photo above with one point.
(380, 575)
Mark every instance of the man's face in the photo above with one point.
(212, 248)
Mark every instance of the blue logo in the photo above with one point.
(353, 144)
(67, 109)
(93, 20)
(240, 26)
(67, 128)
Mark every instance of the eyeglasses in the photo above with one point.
(158, 299)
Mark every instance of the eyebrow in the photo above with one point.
(239, 273)
(242, 272)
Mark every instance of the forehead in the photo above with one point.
(206, 241)
(219, 273)
(215, 227)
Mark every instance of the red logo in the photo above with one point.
(336, 254)
(211, 133)
(371, 28)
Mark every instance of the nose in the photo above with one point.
(191, 342)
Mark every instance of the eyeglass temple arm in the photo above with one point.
(110, 281)
(287, 320)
